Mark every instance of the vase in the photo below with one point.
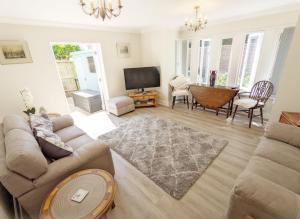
(212, 78)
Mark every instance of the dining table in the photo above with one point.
(213, 97)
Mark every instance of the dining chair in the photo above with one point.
(258, 96)
(180, 88)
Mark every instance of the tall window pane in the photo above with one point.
(183, 57)
(222, 76)
(250, 60)
(189, 58)
(204, 59)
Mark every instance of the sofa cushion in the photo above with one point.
(279, 152)
(283, 132)
(275, 172)
(62, 122)
(262, 199)
(13, 121)
(42, 121)
(68, 133)
(23, 154)
(76, 143)
(51, 144)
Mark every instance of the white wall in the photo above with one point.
(158, 49)
(289, 86)
(42, 77)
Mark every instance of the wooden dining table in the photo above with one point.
(213, 97)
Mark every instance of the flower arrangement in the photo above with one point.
(28, 101)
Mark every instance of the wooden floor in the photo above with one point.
(139, 198)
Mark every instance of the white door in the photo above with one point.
(91, 76)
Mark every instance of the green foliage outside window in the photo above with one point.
(62, 51)
(246, 81)
(222, 79)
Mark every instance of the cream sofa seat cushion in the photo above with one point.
(275, 172)
(283, 132)
(76, 143)
(262, 199)
(23, 154)
(69, 133)
(279, 152)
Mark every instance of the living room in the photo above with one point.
(176, 133)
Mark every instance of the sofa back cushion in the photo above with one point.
(23, 154)
(13, 121)
(283, 132)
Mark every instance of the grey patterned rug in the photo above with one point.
(171, 155)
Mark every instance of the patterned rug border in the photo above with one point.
(123, 123)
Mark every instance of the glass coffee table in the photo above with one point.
(99, 188)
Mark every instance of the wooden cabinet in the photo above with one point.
(291, 118)
(144, 99)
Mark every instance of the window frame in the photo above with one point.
(243, 61)
(200, 60)
(230, 74)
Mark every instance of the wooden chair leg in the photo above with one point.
(192, 103)
(228, 111)
(217, 112)
(261, 115)
(235, 110)
(251, 116)
(174, 99)
(187, 102)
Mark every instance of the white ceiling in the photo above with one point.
(138, 14)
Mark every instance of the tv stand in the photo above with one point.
(144, 98)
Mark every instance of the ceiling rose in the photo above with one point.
(197, 23)
(101, 8)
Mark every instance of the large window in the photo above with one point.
(204, 61)
(183, 57)
(224, 65)
(250, 59)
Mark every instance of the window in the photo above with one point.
(204, 59)
(183, 57)
(222, 76)
(91, 64)
(250, 59)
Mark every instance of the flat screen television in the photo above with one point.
(140, 78)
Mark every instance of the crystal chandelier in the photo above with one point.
(197, 23)
(101, 8)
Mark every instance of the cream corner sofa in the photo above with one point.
(269, 187)
(28, 175)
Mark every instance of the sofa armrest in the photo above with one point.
(283, 132)
(62, 122)
(262, 199)
(92, 155)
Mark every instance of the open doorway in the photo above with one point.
(80, 69)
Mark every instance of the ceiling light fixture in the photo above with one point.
(197, 23)
(101, 8)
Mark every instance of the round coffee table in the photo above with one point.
(101, 189)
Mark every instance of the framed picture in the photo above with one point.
(14, 52)
(123, 50)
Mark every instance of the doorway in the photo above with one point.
(81, 71)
